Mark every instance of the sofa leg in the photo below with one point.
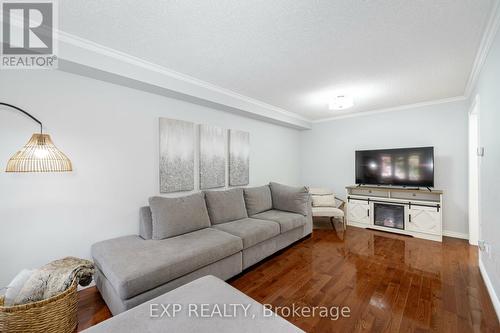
(331, 221)
(343, 223)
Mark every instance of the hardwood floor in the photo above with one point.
(390, 283)
(91, 308)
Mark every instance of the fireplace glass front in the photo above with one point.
(391, 216)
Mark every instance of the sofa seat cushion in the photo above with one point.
(251, 231)
(286, 220)
(327, 211)
(134, 265)
(225, 206)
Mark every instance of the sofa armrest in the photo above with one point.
(289, 198)
(309, 218)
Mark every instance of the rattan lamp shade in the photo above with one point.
(39, 155)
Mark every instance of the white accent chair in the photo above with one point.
(326, 204)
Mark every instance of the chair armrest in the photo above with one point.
(342, 203)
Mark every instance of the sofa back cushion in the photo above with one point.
(290, 199)
(145, 223)
(225, 206)
(177, 216)
(258, 199)
(327, 200)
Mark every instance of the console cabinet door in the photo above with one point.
(424, 219)
(358, 211)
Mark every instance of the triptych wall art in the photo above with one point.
(239, 157)
(212, 157)
(176, 155)
(177, 152)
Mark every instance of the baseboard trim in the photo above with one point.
(489, 287)
(454, 234)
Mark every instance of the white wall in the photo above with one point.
(111, 135)
(489, 136)
(327, 151)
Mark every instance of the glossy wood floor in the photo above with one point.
(390, 283)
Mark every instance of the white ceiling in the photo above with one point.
(295, 54)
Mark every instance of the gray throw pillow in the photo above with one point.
(177, 216)
(290, 199)
(258, 199)
(225, 206)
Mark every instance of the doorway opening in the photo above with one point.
(474, 173)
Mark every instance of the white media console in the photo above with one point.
(415, 212)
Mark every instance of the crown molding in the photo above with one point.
(84, 57)
(489, 34)
(392, 109)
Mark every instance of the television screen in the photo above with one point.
(403, 167)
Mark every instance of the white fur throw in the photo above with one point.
(15, 286)
(50, 280)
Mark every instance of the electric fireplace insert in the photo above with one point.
(389, 215)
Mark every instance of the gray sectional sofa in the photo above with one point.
(218, 233)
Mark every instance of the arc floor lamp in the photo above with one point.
(39, 154)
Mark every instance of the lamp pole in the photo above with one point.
(26, 113)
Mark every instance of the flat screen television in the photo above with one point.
(399, 167)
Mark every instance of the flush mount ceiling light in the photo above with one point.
(39, 154)
(341, 102)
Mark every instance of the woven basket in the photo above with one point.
(57, 314)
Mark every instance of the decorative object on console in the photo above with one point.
(212, 157)
(239, 157)
(326, 204)
(176, 155)
(39, 154)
